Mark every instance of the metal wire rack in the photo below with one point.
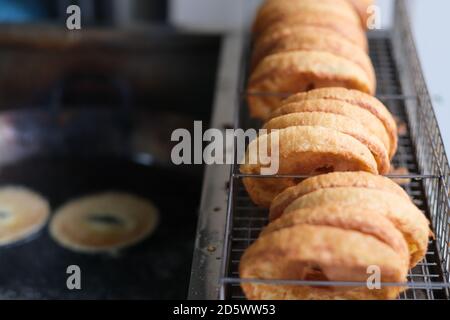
(402, 88)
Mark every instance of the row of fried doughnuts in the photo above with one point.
(324, 130)
(333, 226)
(306, 44)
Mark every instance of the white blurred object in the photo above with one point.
(212, 15)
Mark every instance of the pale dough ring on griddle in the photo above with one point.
(22, 213)
(104, 222)
(304, 38)
(365, 117)
(358, 98)
(299, 71)
(402, 212)
(333, 180)
(274, 11)
(367, 221)
(340, 123)
(305, 150)
(319, 253)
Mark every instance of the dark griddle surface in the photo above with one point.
(158, 268)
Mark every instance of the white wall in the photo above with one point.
(430, 23)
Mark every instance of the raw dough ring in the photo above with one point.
(409, 220)
(312, 38)
(310, 252)
(333, 180)
(299, 71)
(360, 99)
(103, 222)
(22, 213)
(305, 150)
(340, 123)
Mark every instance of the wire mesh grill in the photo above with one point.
(420, 152)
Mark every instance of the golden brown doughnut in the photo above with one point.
(367, 221)
(367, 119)
(323, 253)
(313, 38)
(362, 7)
(298, 71)
(403, 213)
(340, 123)
(22, 213)
(305, 150)
(331, 22)
(274, 11)
(358, 98)
(104, 222)
(333, 180)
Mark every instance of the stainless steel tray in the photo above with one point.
(229, 222)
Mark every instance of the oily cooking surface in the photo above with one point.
(157, 268)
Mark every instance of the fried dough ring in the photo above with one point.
(307, 252)
(411, 222)
(340, 123)
(299, 71)
(78, 225)
(306, 38)
(333, 180)
(370, 222)
(331, 22)
(358, 98)
(362, 7)
(367, 119)
(274, 11)
(305, 150)
(22, 213)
